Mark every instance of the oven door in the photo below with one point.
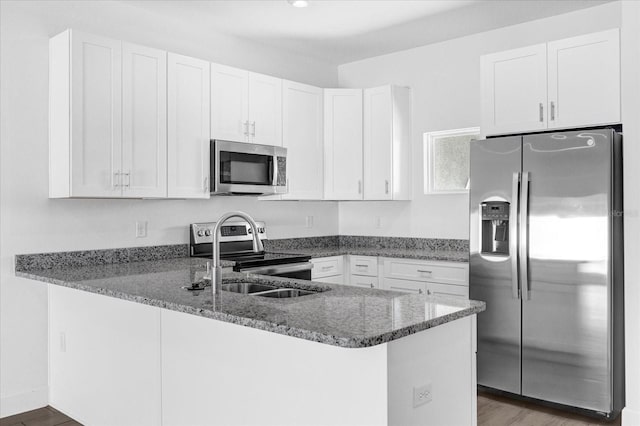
(245, 168)
(300, 271)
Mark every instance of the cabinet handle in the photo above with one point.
(206, 184)
(359, 187)
(128, 175)
(541, 107)
(246, 127)
(429, 292)
(425, 271)
(326, 268)
(420, 291)
(361, 266)
(253, 129)
(116, 179)
(553, 110)
(386, 186)
(371, 285)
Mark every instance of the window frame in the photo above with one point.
(429, 139)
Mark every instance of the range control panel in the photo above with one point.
(202, 233)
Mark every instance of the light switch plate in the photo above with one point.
(422, 395)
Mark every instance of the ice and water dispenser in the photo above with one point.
(495, 227)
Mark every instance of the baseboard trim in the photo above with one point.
(630, 417)
(19, 403)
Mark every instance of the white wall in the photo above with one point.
(445, 83)
(30, 222)
(630, 36)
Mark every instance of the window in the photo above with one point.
(446, 160)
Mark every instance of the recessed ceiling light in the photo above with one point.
(298, 3)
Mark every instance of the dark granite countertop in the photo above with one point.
(343, 316)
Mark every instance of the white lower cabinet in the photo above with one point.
(363, 281)
(363, 271)
(328, 269)
(104, 358)
(449, 279)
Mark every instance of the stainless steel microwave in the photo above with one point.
(239, 168)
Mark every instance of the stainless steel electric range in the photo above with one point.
(236, 244)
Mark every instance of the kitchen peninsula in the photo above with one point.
(342, 355)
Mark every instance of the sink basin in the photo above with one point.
(283, 293)
(246, 288)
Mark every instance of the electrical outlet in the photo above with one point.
(309, 222)
(141, 229)
(422, 395)
(63, 342)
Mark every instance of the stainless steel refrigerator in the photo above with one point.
(546, 255)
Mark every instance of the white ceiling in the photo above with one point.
(339, 31)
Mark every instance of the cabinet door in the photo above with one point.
(265, 109)
(96, 111)
(584, 80)
(404, 286)
(378, 153)
(514, 90)
(302, 136)
(144, 121)
(448, 290)
(343, 144)
(188, 127)
(229, 103)
(363, 281)
(327, 266)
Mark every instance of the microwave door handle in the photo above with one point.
(273, 170)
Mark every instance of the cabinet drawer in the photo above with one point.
(448, 290)
(364, 265)
(443, 272)
(405, 286)
(327, 266)
(335, 279)
(364, 281)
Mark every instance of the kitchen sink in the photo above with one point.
(246, 288)
(283, 293)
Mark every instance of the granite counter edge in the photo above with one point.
(314, 336)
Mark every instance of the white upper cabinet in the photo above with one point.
(343, 144)
(562, 84)
(144, 121)
(387, 143)
(245, 106)
(85, 134)
(229, 103)
(265, 109)
(188, 127)
(584, 80)
(302, 113)
(514, 90)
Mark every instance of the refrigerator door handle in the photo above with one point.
(524, 236)
(513, 234)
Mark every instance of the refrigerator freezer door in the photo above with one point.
(494, 163)
(566, 313)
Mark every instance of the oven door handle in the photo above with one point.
(279, 269)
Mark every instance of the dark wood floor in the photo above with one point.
(47, 416)
(493, 410)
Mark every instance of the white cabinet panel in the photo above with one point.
(456, 273)
(188, 127)
(265, 109)
(363, 265)
(448, 290)
(327, 266)
(363, 281)
(229, 103)
(96, 112)
(514, 90)
(302, 136)
(404, 286)
(104, 358)
(343, 144)
(144, 121)
(387, 143)
(584, 80)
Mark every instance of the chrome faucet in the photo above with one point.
(216, 272)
